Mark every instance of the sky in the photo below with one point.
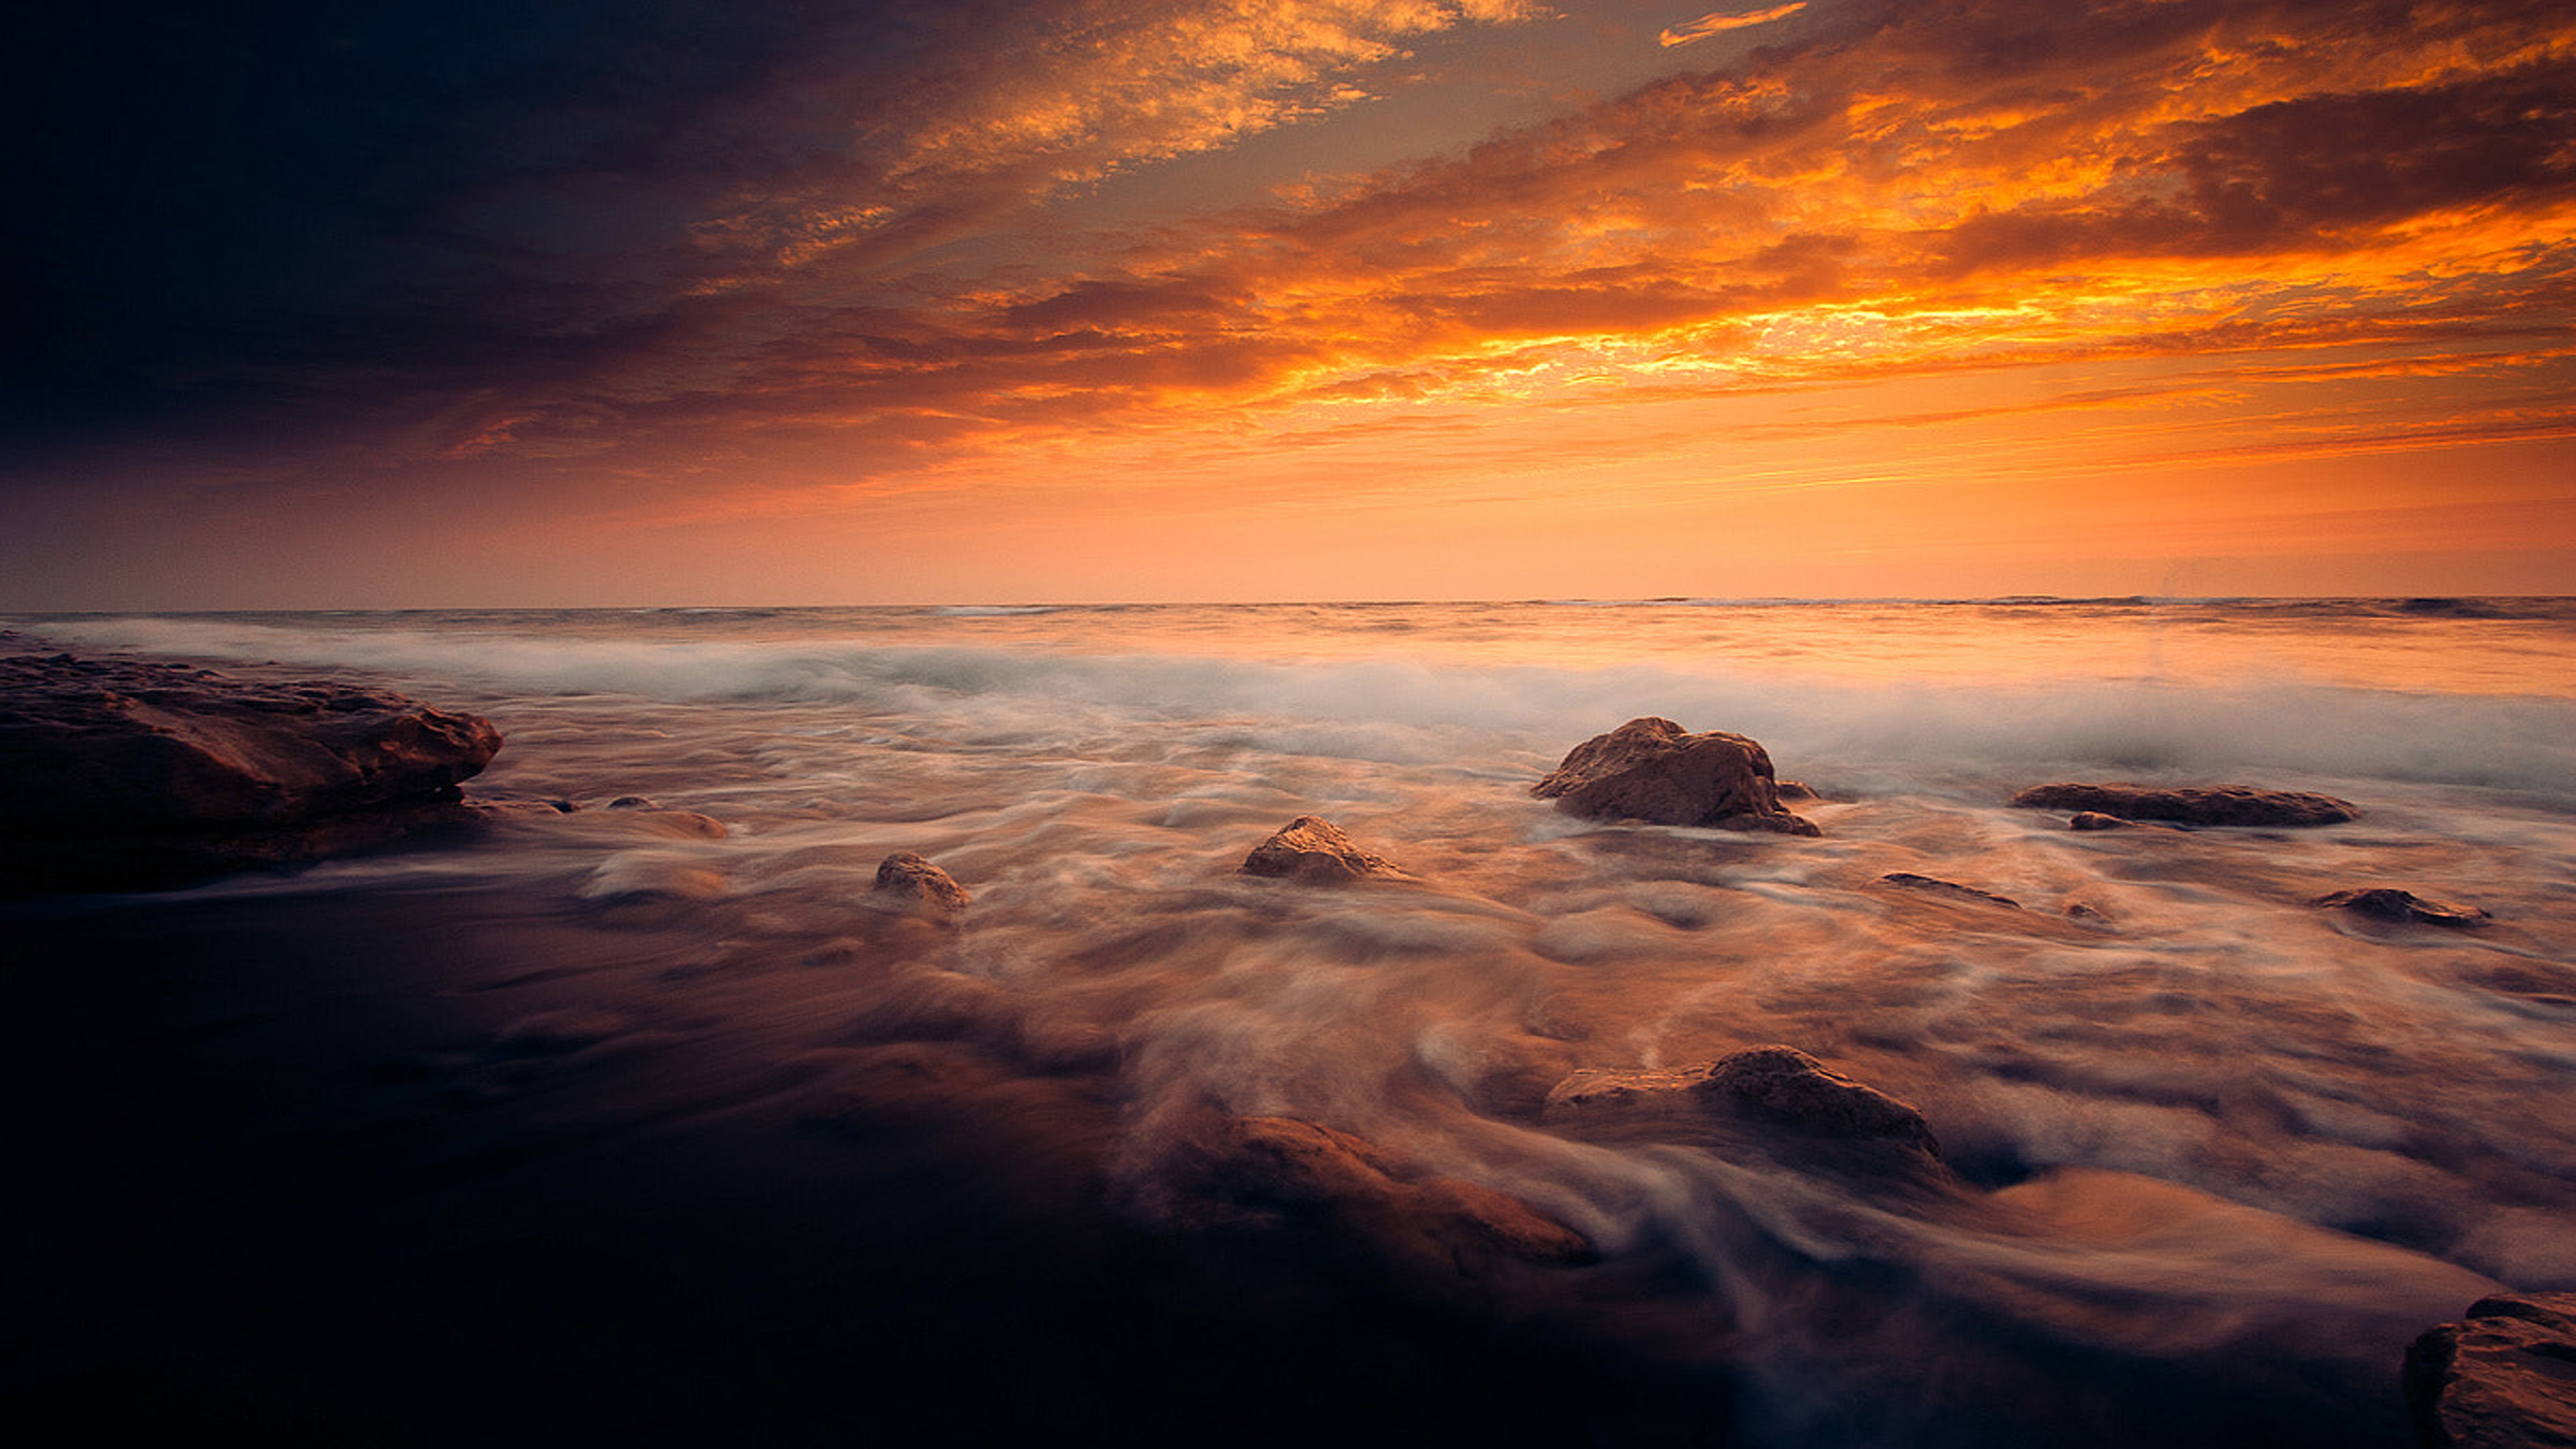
(354, 303)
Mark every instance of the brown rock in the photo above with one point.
(2389, 904)
(2213, 805)
(1312, 850)
(111, 747)
(1304, 1174)
(2096, 820)
(126, 774)
(2503, 1379)
(1908, 880)
(1769, 1086)
(1652, 770)
(910, 883)
(1793, 1086)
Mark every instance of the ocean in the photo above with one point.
(603, 1125)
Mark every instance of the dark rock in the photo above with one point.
(1798, 790)
(2213, 805)
(2389, 904)
(1313, 850)
(1280, 1172)
(909, 883)
(632, 802)
(1910, 881)
(1652, 770)
(2096, 820)
(2503, 1379)
(130, 774)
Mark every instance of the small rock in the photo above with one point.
(1651, 769)
(912, 883)
(1313, 850)
(1789, 1084)
(2503, 1379)
(2191, 805)
(632, 802)
(2390, 904)
(1910, 881)
(2096, 820)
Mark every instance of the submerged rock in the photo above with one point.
(127, 773)
(1651, 769)
(1908, 880)
(1313, 850)
(911, 883)
(2096, 820)
(2390, 904)
(2503, 1379)
(2191, 805)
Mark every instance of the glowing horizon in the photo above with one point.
(1438, 299)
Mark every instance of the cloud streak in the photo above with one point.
(1719, 22)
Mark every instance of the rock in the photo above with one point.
(2214, 805)
(1910, 881)
(1767, 1087)
(1652, 770)
(2503, 1379)
(1799, 790)
(1794, 1087)
(126, 773)
(2096, 820)
(1313, 850)
(1280, 1172)
(909, 883)
(632, 802)
(2389, 904)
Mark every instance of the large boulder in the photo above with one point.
(2503, 1379)
(1653, 770)
(1314, 851)
(123, 769)
(2190, 805)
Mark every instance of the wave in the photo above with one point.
(1873, 734)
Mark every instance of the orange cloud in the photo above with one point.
(1720, 21)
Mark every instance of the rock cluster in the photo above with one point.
(1651, 769)
(2190, 805)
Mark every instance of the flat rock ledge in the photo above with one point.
(2505, 1378)
(1653, 770)
(909, 883)
(128, 774)
(2387, 903)
(1313, 851)
(2190, 805)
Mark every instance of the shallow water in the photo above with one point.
(2219, 1153)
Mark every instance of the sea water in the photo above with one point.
(2220, 1152)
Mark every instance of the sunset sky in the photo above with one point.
(492, 302)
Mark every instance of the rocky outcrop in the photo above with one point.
(126, 773)
(1775, 1089)
(2503, 1379)
(2191, 805)
(1312, 850)
(910, 884)
(2387, 903)
(1653, 770)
